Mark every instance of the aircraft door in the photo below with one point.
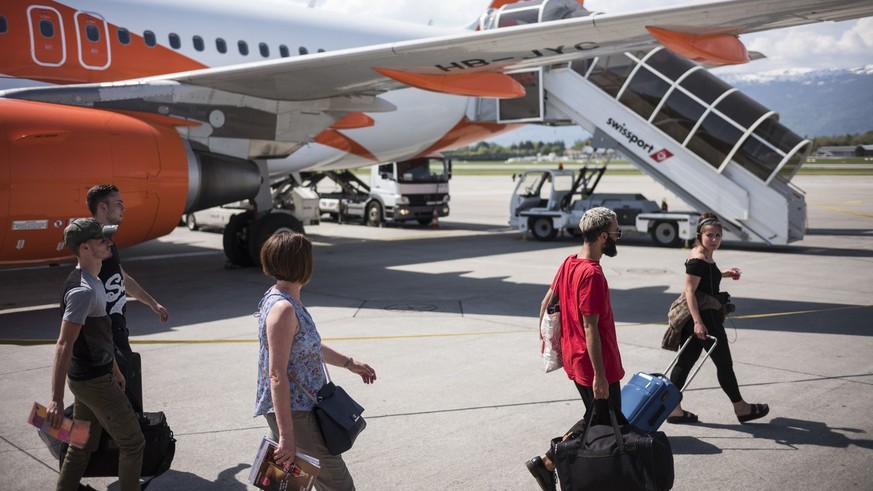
(92, 41)
(46, 36)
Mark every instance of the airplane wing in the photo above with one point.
(353, 71)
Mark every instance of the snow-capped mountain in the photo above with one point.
(815, 103)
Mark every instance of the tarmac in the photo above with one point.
(447, 317)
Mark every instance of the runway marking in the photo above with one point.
(848, 212)
(36, 342)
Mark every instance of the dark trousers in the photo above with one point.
(721, 356)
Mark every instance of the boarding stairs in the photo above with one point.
(700, 138)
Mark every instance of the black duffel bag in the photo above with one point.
(609, 457)
(160, 448)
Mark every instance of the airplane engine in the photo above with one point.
(50, 155)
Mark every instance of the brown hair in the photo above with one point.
(99, 194)
(287, 256)
(708, 219)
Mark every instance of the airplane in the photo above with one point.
(188, 105)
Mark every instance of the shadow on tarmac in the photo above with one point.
(790, 433)
(226, 480)
(196, 287)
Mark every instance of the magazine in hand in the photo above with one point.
(297, 476)
(72, 431)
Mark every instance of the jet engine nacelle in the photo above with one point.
(50, 155)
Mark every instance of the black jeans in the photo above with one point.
(721, 356)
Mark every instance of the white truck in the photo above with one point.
(547, 201)
(409, 190)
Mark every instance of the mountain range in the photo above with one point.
(810, 103)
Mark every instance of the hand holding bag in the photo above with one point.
(338, 415)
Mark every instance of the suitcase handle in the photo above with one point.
(699, 365)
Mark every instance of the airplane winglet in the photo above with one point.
(710, 49)
(353, 120)
(481, 84)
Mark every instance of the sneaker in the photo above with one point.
(545, 478)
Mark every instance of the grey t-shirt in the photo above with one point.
(84, 302)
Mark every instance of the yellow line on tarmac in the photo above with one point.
(35, 342)
(797, 312)
(848, 212)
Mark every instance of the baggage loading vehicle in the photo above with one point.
(409, 190)
(548, 201)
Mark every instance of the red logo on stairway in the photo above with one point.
(661, 155)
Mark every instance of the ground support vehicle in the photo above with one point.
(410, 190)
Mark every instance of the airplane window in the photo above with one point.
(3, 25)
(150, 39)
(123, 36)
(198, 43)
(302, 50)
(265, 50)
(46, 28)
(283, 51)
(220, 45)
(243, 48)
(175, 42)
(92, 33)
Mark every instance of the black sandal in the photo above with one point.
(758, 411)
(686, 418)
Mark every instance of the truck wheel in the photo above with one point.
(542, 229)
(268, 225)
(235, 244)
(373, 218)
(666, 234)
(191, 222)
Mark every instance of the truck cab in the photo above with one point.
(416, 189)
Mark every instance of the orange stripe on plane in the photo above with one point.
(467, 133)
(481, 84)
(353, 120)
(712, 49)
(343, 143)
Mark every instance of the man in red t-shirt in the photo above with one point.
(588, 341)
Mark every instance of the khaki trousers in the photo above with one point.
(334, 475)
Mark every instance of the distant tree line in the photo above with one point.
(493, 151)
(843, 141)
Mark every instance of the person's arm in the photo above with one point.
(592, 341)
(691, 282)
(282, 326)
(63, 356)
(544, 305)
(337, 359)
(139, 293)
(122, 382)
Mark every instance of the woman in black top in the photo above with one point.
(702, 274)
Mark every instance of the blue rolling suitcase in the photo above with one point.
(648, 398)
